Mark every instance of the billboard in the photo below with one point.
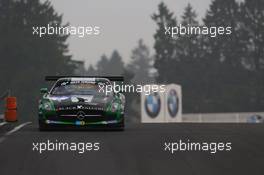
(152, 107)
(162, 107)
(173, 103)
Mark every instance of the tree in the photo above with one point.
(224, 48)
(116, 65)
(223, 58)
(189, 68)
(91, 71)
(140, 64)
(218, 74)
(252, 18)
(102, 65)
(189, 16)
(189, 44)
(27, 58)
(164, 44)
(112, 66)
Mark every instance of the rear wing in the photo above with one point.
(111, 78)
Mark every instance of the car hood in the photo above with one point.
(74, 100)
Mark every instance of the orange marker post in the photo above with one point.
(11, 109)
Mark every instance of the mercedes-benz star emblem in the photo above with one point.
(80, 115)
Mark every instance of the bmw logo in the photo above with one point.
(173, 103)
(152, 104)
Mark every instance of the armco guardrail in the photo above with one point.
(220, 117)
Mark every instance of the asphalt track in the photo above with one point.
(139, 150)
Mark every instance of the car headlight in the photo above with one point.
(47, 106)
(114, 107)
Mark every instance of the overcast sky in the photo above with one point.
(122, 23)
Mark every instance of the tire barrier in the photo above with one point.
(152, 107)
(162, 107)
(11, 109)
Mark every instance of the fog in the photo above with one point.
(121, 23)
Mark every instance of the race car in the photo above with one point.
(81, 102)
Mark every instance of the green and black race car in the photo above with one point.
(81, 102)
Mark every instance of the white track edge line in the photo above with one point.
(3, 123)
(13, 130)
(17, 128)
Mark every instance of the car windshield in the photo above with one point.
(78, 88)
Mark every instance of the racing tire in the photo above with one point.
(43, 126)
(121, 126)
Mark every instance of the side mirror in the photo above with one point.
(44, 90)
